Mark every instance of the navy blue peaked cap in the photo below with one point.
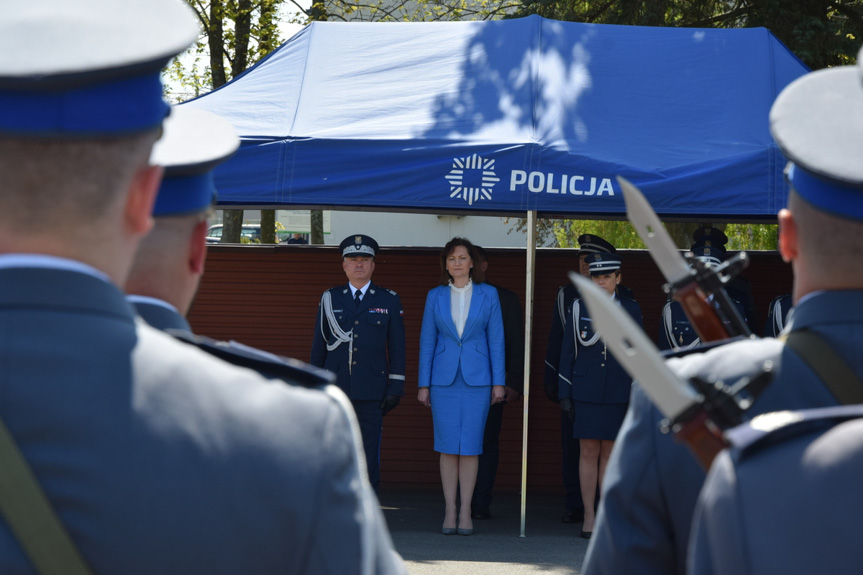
(709, 254)
(601, 263)
(83, 68)
(194, 142)
(589, 243)
(358, 246)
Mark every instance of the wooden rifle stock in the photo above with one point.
(702, 315)
(701, 436)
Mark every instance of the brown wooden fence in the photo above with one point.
(267, 297)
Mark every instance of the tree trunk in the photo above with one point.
(242, 31)
(216, 44)
(268, 227)
(316, 223)
(232, 226)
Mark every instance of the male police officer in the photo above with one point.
(170, 260)
(675, 330)
(513, 333)
(790, 502)
(652, 481)
(169, 263)
(155, 457)
(360, 336)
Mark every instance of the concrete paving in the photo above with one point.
(549, 546)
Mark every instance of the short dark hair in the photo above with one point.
(476, 274)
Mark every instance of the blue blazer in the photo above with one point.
(480, 349)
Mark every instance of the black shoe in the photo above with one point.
(481, 514)
(575, 516)
(586, 534)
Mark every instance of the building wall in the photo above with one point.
(407, 229)
(267, 297)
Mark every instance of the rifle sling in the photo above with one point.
(30, 516)
(827, 365)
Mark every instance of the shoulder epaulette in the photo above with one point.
(771, 428)
(269, 365)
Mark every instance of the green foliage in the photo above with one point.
(821, 34)
(564, 233)
(236, 34)
(418, 10)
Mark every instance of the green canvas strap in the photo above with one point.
(30, 516)
(827, 365)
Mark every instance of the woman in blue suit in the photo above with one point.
(461, 372)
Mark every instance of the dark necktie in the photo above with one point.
(357, 297)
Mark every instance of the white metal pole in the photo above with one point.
(528, 328)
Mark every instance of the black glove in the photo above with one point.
(389, 402)
(551, 392)
(567, 407)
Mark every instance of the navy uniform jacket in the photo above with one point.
(675, 331)
(159, 458)
(565, 296)
(745, 524)
(513, 331)
(591, 373)
(777, 315)
(371, 363)
(652, 481)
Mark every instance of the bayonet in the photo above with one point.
(696, 411)
(692, 282)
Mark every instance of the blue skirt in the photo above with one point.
(459, 412)
(598, 420)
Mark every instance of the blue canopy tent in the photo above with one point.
(509, 116)
(519, 116)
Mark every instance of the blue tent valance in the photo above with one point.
(509, 116)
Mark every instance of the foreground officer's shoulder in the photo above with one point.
(775, 428)
(267, 364)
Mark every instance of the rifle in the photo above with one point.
(696, 411)
(691, 282)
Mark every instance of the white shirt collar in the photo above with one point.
(363, 289)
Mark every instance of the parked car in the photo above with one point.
(250, 231)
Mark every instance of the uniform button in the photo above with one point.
(356, 323)
(356, 335)
(601, 365)
(355, 349)
(355, 363)
(379, 323)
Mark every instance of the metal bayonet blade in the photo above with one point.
(635, 351)
(649, 228)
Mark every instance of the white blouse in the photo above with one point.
(459, 299)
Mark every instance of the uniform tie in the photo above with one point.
(357, 297)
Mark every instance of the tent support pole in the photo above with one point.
(530, 265)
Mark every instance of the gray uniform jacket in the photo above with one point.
(744, 523)
(160, 458)
(652, 482)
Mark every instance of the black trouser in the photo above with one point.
(570, 453)
(487, 471)
(370, 418)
